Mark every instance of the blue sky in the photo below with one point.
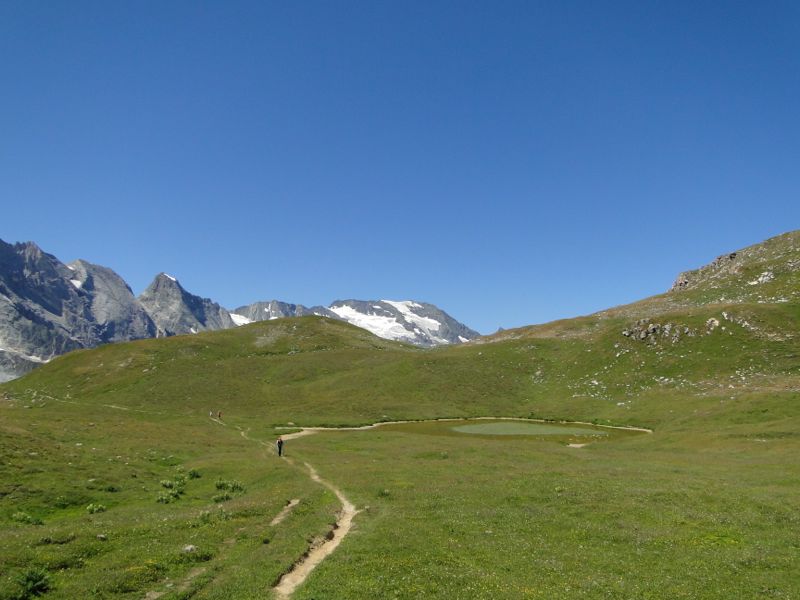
(511, 162)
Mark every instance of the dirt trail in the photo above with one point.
(318, 552)
(285, 512)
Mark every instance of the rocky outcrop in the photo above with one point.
(645, 330)
(722, 265)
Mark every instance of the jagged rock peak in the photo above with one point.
(175, 311)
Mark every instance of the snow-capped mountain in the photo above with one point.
(415, 323)
(48, 308)
(175, 311)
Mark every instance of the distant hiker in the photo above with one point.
(219, 415)
(279, 444)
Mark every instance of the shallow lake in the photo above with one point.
(504, 428)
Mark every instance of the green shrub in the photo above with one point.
(230, 486)
(33, 583)
(23, 517)
(135, 578)
(221, 497)
(169, 496)
(204, 518)
(71, 498)
(95, 508)
(194, 474)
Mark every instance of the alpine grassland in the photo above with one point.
(147, 469)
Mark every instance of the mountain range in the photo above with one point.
(48, 308)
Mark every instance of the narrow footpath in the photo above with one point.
(318, 551)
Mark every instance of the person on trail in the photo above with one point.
(279, 444)
(219, 415)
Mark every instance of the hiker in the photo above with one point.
(219, 415)
(279, 444)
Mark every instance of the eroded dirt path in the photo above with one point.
(285, 512)
(321, 548)
(319, 551)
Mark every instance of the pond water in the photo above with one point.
(522, 428)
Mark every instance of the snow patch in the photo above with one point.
(384, 327)
(429, 326)
(76, 282)
(462, 339)
(170, 277)
(36, 359)
(240, 319)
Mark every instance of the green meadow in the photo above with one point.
(116, 483)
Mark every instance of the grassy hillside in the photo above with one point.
(704, 507)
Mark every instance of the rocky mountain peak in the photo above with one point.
(176, 311)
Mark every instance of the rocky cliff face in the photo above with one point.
(113, 307)
(48, 308)
(176, 311)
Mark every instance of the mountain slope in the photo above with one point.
(734, 284)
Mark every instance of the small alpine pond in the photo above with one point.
(501, 428)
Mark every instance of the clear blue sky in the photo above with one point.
(511, 162)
